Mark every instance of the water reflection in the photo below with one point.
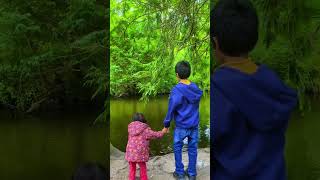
(303, 145)
(49, 147)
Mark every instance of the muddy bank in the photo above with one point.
(159, 167)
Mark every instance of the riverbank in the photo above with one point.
(159, 167)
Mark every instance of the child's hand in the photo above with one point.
(165, 130)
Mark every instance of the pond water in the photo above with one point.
(51, 146)
(303, 135)
(303, 145)
(121, 111)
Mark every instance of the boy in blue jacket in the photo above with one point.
(184, 109)
(250, 105)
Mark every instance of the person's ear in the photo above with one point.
(217, 52)
(216, 44)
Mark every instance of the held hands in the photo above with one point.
(165, 130)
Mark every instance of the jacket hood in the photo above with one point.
(136, 128)
(261, 97)
(191, 92)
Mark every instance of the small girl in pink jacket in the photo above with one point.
(138, 145)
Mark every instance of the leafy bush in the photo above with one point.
(50, 50)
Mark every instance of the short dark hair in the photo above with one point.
(183, 69)
(139, 117)
(90, 171)
(234, 23)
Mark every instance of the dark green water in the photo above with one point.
(303, 145)
(49, 147)
(154, 111)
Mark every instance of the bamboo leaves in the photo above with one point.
(148, 38)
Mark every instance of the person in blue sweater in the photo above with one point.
(184, 109)
(250, 106)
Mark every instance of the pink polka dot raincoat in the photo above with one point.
(138, 141)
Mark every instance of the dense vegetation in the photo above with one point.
(52, 52)
(290, 43)
(149, 37)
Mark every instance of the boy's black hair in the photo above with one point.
(139, 117)
(90, 171)
(183, 69)
(235, 26)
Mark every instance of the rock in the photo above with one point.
(159, 167)
(115, 153)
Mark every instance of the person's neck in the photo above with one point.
(244, 64)
(185, 81)
(230, 59)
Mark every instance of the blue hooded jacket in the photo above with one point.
(184, 106)
(249, 117)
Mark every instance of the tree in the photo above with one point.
(289, 42)
(149, 37)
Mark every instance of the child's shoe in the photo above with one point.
(178, 176)
(190, 177)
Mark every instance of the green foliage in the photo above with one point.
(49, 49)
(149, 37)
(98, 79)
(289, 43)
